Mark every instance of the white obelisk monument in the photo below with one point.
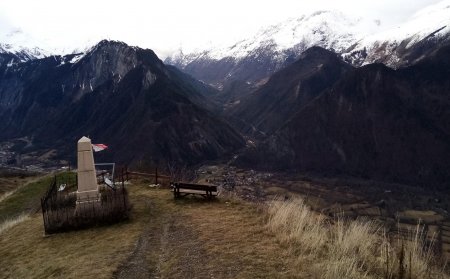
(87, 192)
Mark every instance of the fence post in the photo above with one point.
(124, 200)
(156, 176)
(122, 177)
(43, 215)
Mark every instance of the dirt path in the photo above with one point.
(182, 254)
(166, 247)
(158, 246)
(136, 265)
(192, 238)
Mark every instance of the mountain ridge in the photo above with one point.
(58, 99)
(275, 47)
(376, 123)
(288, 90)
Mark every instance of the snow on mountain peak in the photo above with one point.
(359, 40)
(421, 24)
(329, 29)
(432, 22)
(15, 41)
(26, 47)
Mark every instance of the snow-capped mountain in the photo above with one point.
(359, 41)
(274, 47)
(406, 43)
(17, 45)
(329, 29)
(20, 46)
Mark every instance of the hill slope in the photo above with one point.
(375, 123)
(288, 90)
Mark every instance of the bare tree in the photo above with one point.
(181, 173)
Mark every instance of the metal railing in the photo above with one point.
(61, 212)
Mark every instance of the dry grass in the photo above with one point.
(26, 253)
(417, 256)
(192, 238)
(342, 248)
(299, 225)
(236, 243)
(6, 195)
(24, 199)
(12, 222)
(189, 238)
(225, 238)
(10, 180)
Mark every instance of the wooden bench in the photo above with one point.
(181, 189)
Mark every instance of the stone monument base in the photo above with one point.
(88, 203)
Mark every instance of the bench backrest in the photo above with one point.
(192, 186)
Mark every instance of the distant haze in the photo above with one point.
(165, 26)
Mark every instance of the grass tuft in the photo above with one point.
(6, 195)
(343, 248)
(295, 223)
(5, 225)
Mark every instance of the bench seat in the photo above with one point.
(181, 189)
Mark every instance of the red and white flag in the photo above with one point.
(99, 147)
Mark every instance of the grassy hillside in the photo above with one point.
(164, 238)
(26, 198)
(193, 238)
(10, 180)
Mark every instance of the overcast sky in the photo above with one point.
(166, 25)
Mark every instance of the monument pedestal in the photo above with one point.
(88, 197)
